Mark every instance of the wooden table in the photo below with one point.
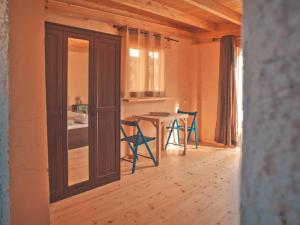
(159, 122)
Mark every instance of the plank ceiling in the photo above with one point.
(235, 5)
(192, 16)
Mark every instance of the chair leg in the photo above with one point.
(189, 136)
(169, 136)
(134, 159)
(196, 138)
(178, 134)
(174, 138)
(137, 156)
(150, 153)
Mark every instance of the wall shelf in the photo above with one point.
(144, 99)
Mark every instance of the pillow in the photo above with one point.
(71, 122)
(81, 118)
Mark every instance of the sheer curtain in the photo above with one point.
(239, 90)
(155, 84)
(142, 63)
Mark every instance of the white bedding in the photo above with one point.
(77, 126)
(78, 118)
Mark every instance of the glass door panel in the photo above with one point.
(77, 115)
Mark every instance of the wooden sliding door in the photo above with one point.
(83, 109)
(106, 109)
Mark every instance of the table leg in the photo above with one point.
(158, 142)
(185, 136)
(131, 156)
(163, 137)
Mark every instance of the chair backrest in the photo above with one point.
(189, 113)
(194, 114)
(130, 124)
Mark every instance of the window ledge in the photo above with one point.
(144, 99)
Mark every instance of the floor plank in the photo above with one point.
(78, 165)
(201, 188)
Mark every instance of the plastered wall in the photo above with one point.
(192, 73)
(4, 152)
(78, 80)
(208, 85)
(29, 188)
(181, 72)
(271, 145)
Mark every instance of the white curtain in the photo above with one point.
(143, 63)
(239, 84)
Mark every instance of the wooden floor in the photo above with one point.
(78, 165)
(201, 188)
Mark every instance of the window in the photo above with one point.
(134, 53)
(154, 73)
(144, 65)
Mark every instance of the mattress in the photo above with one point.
(77, 126)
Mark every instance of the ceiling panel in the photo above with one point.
(235, 5)
(173, 13)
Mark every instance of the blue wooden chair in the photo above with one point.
(190, 129)
(134, 141)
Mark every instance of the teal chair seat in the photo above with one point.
(137, 140)
(182, 128)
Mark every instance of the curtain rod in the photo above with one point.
(119, 27)
(218, 39)
(171, 39)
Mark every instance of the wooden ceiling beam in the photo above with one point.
(217, 9)
(111, 9)
(163, 11)
(204, 37)
(66, 8)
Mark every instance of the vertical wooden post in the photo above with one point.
(162, 137)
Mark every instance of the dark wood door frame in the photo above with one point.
(58, 162)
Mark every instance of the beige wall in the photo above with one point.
(78, 70)
(209, 56)
(181, 73)
(29, 188)
(192, 73)
(186, 69)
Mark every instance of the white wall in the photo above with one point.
(271, 146)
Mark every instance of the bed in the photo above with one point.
(78, 128)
